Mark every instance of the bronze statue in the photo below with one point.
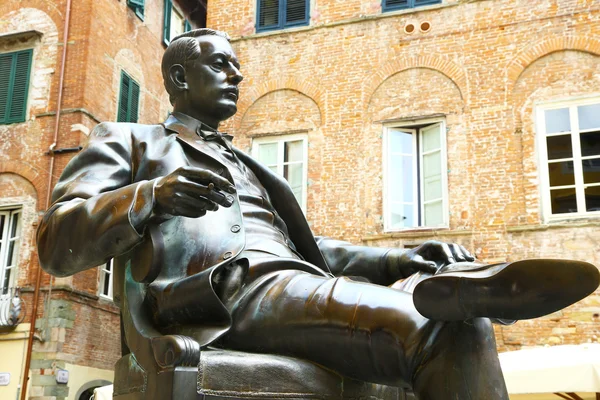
(215, 263)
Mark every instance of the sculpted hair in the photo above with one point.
(183, 48)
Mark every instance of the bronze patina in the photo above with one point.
(225, 292)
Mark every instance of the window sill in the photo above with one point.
(418, 233)
(577, 222)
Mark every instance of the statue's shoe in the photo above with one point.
(509, 291)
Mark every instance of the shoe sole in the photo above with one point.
(514, 291)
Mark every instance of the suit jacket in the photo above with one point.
(110, 184)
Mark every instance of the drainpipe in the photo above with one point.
(38, 279)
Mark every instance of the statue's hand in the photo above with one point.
(191, 192)
(428, 258)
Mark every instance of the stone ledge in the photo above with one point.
(421, 233)
(553, 225)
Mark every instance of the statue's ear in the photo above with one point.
(177, 76)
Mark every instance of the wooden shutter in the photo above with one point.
(137, 6)
(396, 4)
(134, 101)
(15, 69)
(268, 13)
(129, 99)
(425, 2)
(124, 98)
(6, 61)
(167, 22)
(296, 11)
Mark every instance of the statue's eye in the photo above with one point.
(218, 65)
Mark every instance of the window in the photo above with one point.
(9, 245)
(105, 289)
(175, 23)
(15, 69)
(280, 14)
(569, 145)
(137, 6)
(415, 191)
(391, 5)
(129, 99)
(286, 156)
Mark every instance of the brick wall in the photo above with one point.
(105, 37)
(483, 67)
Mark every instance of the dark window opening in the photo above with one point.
(281, 14)
(392, 5)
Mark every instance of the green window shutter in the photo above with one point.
(187, 27)
(124, 98)
(134, 101)
(15, 69)
(129, 99)
(167, 22)
(137, 6)
(6, 61)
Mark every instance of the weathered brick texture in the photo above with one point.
(483, 66)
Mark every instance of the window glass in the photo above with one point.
(9, 242)
(558, 120)
(267, 153)
(589, 116)
(591, 170)
(572, 174)
(561, 173)
(559, 147)
(286, 156)
(590, 143)
(177, 23)
(592, 198)
(293, 151)
(563, 201)
(415, 185)
(434, 213)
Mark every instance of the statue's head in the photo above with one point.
(201, 74)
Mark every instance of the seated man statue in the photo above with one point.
(224, 257)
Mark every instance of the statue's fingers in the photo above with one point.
(206, 177)
(467, 253)
(458, 252)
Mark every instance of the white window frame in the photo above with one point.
(541, 136)
(106, 273)
(9, 212)
(280, 140)
(418, 181)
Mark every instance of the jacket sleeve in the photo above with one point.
(347, 259)
(93, 204)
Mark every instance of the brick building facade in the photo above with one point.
(77, 323)
(357, 76)
(459, 103)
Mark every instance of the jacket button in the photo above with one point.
(235, 228)
(227, 255)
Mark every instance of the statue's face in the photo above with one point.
(213, 79)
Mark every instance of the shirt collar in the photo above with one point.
(204, 131)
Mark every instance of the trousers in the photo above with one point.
(361, 330)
